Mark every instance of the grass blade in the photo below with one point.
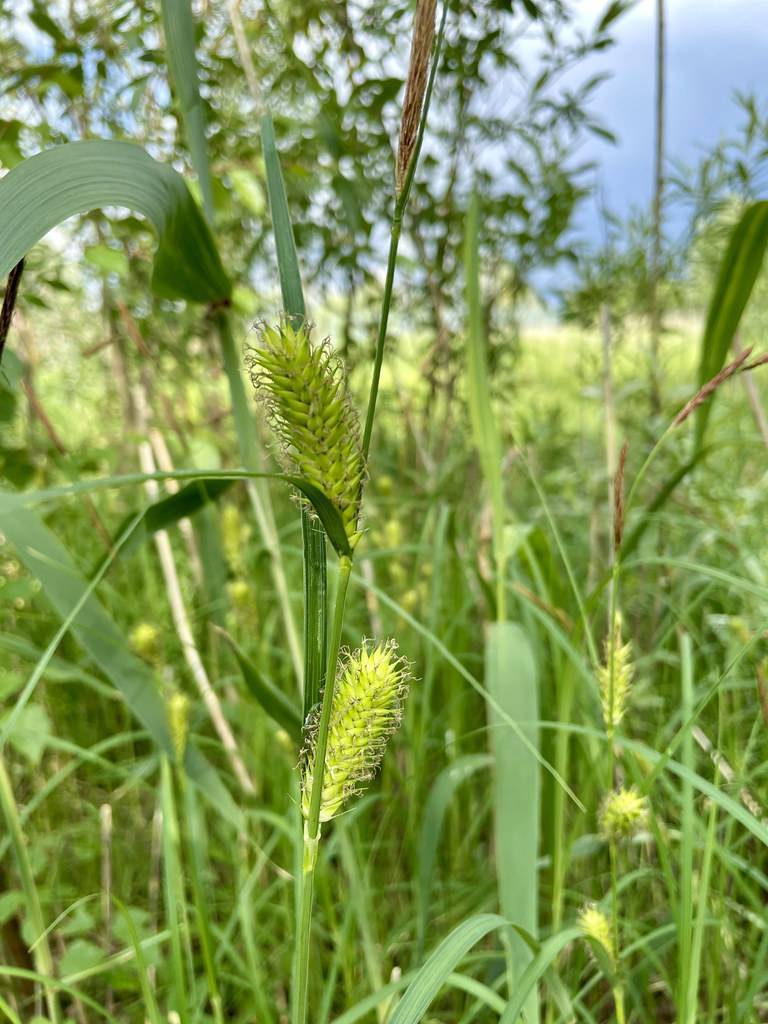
(548, 952)
(44, 190)
(433, 975)
(484, 427)
(179, 29)
(42, 950)
(736, 278)
(440, 796)
(277, 705)
(511, 681)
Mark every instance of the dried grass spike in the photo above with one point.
(367, 708)
(415, 86)
(711, 386)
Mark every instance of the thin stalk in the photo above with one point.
(202, 912)
(386, 302)
(42, 950)
(618, 988)
(658, 195)
(174, 895)
(312, 824)
(401, 201)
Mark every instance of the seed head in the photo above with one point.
(234, 535)
(367, 708)
(622, 814)
(615, 677)
(415, 87)
(595, 925)
(177, 707)
(305, 391)
(145, 640)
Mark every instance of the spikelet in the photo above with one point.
(367, 708)
(622, 814)
(305, 391)
(595, 925)
(177, 709)
(145, 640)
(615, 677)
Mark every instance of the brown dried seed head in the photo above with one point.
(711, 386)
(415, 86)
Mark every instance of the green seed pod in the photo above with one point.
(303, 386)
(615, 678)
(622, 814)
(366, 710)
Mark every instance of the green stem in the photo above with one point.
(618, 989)
(401, 201)
(312, 823)
(42, 951)
(394, 242)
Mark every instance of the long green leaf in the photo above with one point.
(46, 558)
(45, 190)
(179, 29)
(433, 975)
(440, 796)
(547, 954)
(287, 258)
(169, 511)
(511, 681)
(484, 428)
(736, 278)
(276, 704)
(326, 511)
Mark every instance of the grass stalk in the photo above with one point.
(42, 950)
(312, 824)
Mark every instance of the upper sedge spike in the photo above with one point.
(303, 386)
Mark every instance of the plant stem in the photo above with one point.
(386, 302)
(312, 823)
(42, 950)
(618, 989)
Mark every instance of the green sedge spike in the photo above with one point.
(367, 708)
(615, 677)
(304, 388)
(623, 813)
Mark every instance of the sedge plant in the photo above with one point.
(304, 389)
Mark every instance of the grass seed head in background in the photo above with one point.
(596, 926)
(304, 387)
(178, 710)
(615, 677)
(145, 639)
(623, 814)
(367, 708)
(415, 87)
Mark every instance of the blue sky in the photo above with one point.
(714, 47)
